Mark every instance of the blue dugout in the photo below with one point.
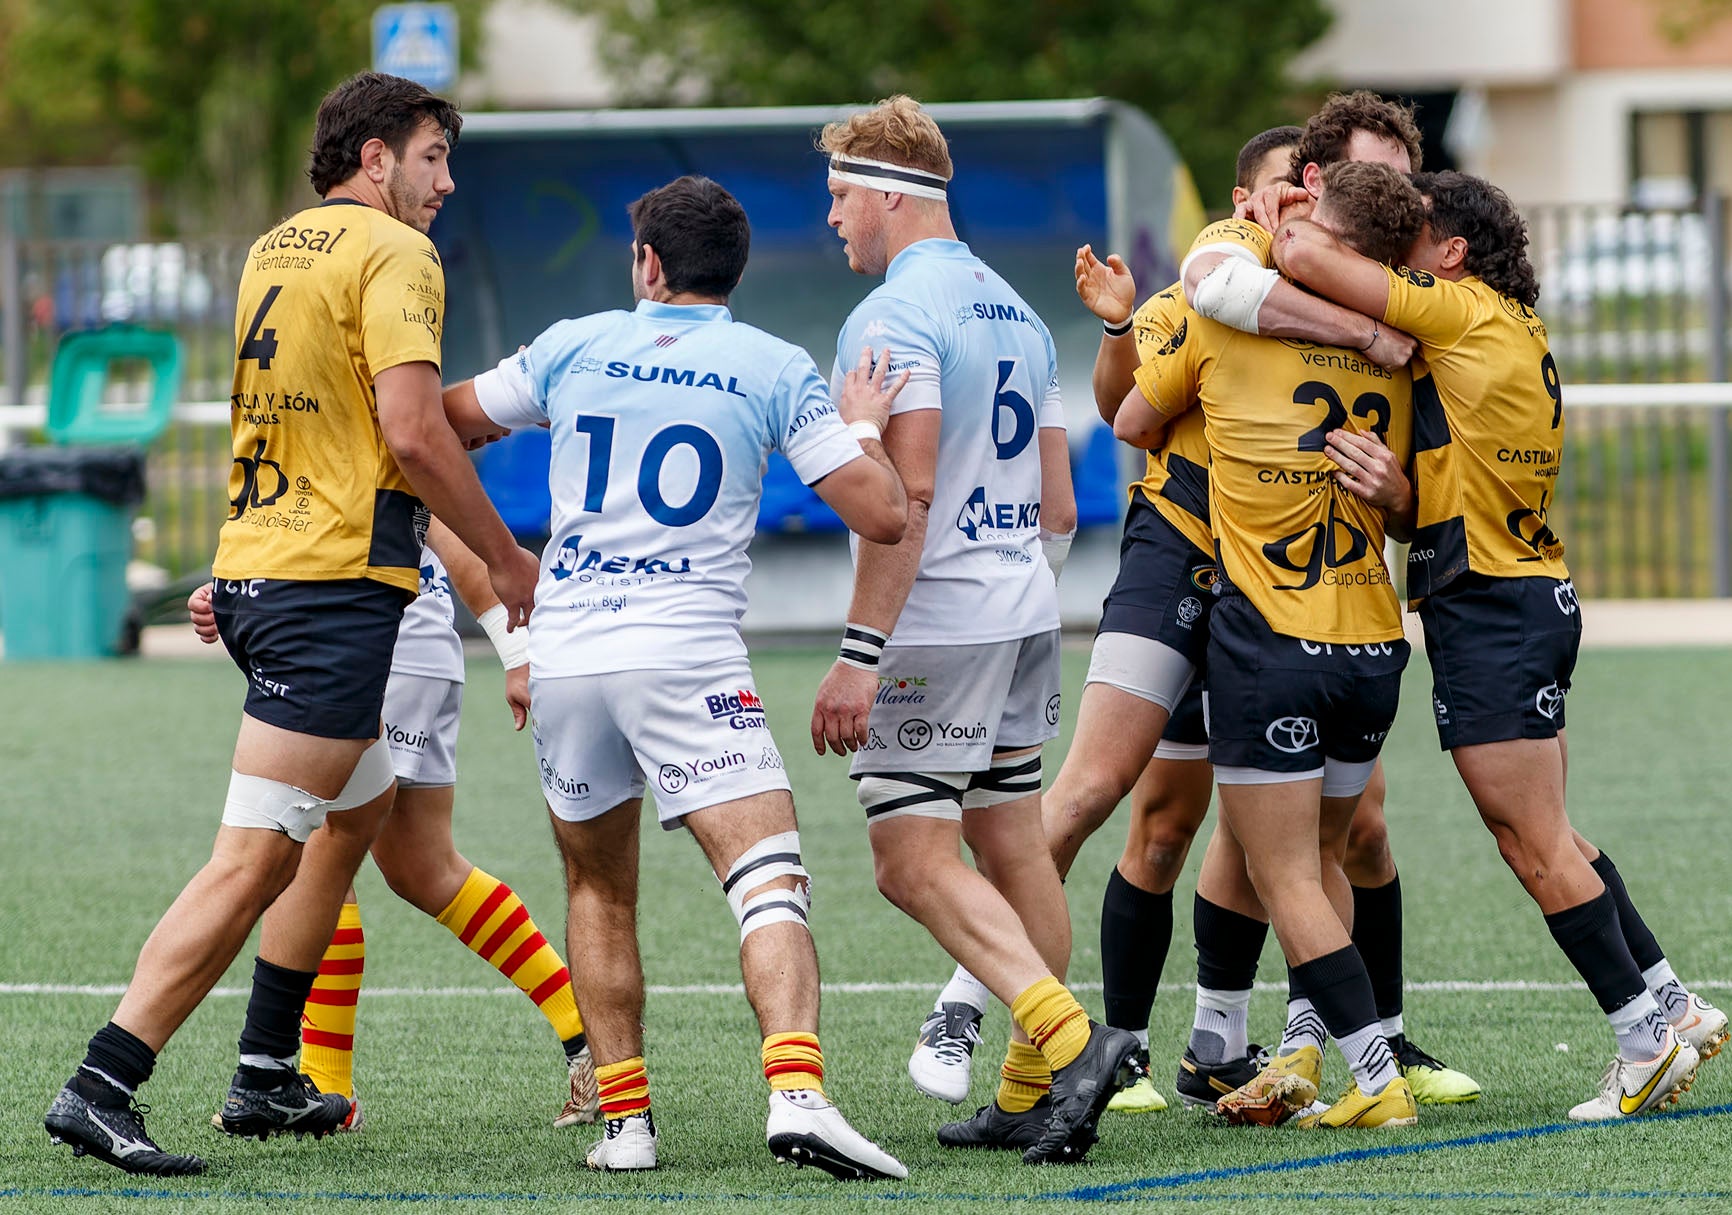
(538, 230)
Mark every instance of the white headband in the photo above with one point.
(881, 175)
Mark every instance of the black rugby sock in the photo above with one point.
(114, 1057)
(1643, 947)
(1136, 932)
(1593, 941)
(1377, 936)
(273, 1025)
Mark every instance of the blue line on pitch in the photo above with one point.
(1098, 1193)
(1144, 1189)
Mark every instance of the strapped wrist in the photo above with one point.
(862, 646)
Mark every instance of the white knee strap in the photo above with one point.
(1008, 780)
(270, 805)
(373, 774)
(775, 906)
(773, 856)
(1342, 779)
(888, 795)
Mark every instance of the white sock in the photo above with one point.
(1367, 1053)
(1304, 1028)
(1393, 1026)
(1218, 1033)
(964, 988)
(265, 1063)
(1672, 996)
(1142, 1036)
(1641, 1027)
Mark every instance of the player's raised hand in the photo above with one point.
(203, 617)
(1107, 288)
(1391, 347)
(513, 580)
(1274, 205)
(867, 392)
(1369, 470)
(517, 694)
(843, 704)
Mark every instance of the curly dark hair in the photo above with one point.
(372, 105)
(1372, 208)
(1459, 204)
(1324, 140)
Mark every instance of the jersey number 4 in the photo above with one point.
(598, 428)
(261, 343)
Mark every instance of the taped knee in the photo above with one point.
(271, 805)
(373, 774)
(1008, 779)
(772, 857)
(888, 795)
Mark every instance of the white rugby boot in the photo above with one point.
(804, 1128)
(944, 1052)
(1628, 1089)
(1702, 1026)
(629, 1145)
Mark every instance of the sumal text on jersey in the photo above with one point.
(676, 377)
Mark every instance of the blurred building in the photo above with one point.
(1559, 101)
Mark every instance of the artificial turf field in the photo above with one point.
(110, 779)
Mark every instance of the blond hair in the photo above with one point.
(896, 131)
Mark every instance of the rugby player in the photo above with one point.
(965, 607)
(341, 448)
(1305, 650)
(662, 418)
(1502, 621)
(415, 851)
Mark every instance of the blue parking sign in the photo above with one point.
(416, 41)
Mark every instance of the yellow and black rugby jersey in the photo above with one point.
(1253, 238)
(329, 298)
(1176, 480)
(1488, 432)
(1308, 554)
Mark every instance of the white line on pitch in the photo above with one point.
(1436, 986)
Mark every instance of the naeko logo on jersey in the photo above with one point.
(615, 569)
(435, 583)
(982, 520)
(742, 709)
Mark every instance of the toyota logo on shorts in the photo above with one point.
(1052, 707)
(1292, 734)
(1549, 700)
(914, 734)
(672, 778)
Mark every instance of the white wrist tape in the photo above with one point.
(862, 646)
(864, 430)
(1233, 293)
(1056, 548)
(513, 647)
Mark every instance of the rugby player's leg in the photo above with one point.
(1292, 837)
(1168, 804)
(753, 845)
(1518, 786)
(1696, 1021)
(1377, 932)
(418, 858)
(600, 856)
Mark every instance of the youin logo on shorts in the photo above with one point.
(672, 778)
(915, 734)
(1052, 708)
(742, 710)
(1292, 734)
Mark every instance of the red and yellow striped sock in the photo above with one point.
(793, 1061)
(1023, 1079)
(328, 1021)
(624, 1088)
(1053, 1021)
(488, 917)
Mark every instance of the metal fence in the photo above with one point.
(1634, 303)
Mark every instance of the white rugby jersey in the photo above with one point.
(427, 641)
(981, 355)
(662, 420)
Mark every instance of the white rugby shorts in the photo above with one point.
(421, 718)
(700, 736)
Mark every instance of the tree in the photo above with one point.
(1210, 74)
(213, 99)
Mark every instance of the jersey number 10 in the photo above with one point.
(598, 428)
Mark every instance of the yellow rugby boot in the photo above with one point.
(1392, 1107)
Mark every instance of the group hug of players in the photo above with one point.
(1354, 357)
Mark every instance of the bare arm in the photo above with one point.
(1312, 255)
(428, 451)
(867, 493)
(1289, 312)
(463, 411)
(1057, 494)
(469, 579)
(883, 576)
(1108, 290)
(1137, 423)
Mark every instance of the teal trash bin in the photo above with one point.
(65, 538)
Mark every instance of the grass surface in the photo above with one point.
(112, 775)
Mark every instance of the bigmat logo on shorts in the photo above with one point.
(742, 710)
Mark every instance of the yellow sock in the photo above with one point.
(1024, 1079)
(488, 917)
(793, 1061)
(1053, 1021)
(624, 1088)
(328, 1021)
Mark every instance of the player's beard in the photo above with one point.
(405, 200)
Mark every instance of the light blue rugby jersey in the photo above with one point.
(662, 419)
(977, 352)
(427, 641)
